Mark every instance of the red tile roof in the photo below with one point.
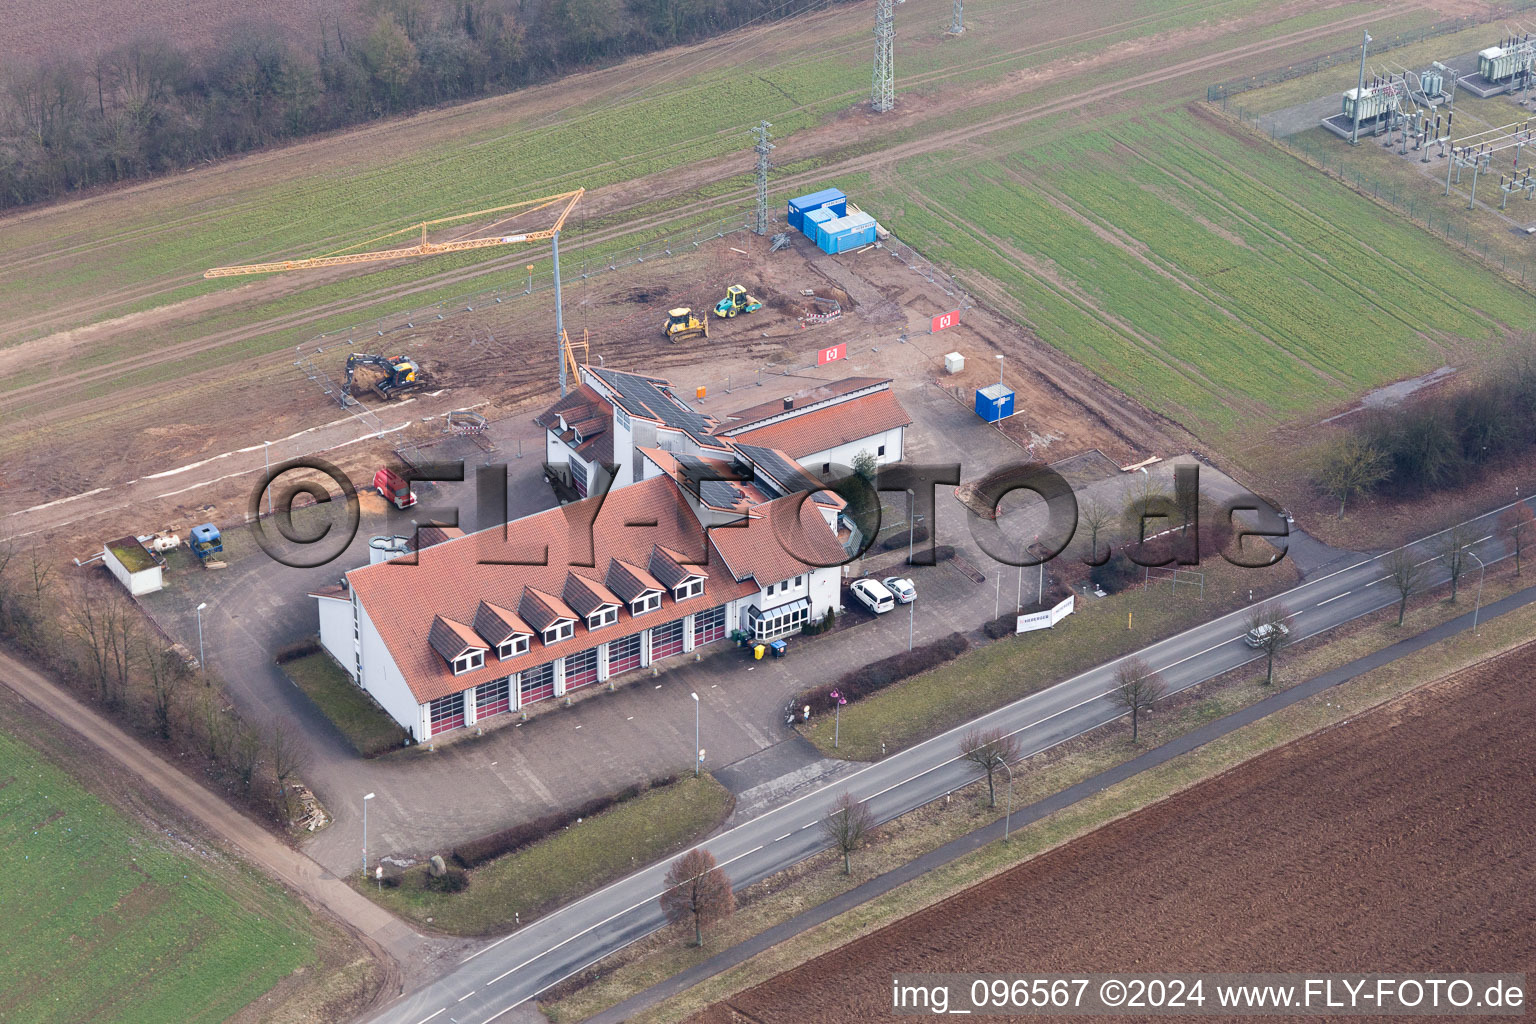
(770, 542)
(588, 413)
(821, 429)
(453, 578)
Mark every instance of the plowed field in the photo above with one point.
(1397, 841)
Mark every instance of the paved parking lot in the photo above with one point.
(430, 798)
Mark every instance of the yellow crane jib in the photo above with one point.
(424, 247)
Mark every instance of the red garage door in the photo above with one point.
(624, 655)
(493, 698)
(667, 640)
(538, 684)
(580, 669)
(709, 626)
(447, 713)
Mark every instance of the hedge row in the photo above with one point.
(864, 681)
(475, 852)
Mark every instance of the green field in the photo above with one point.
(1211, 276)
(106, 921)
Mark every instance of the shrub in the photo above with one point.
(871, 678)
(475, 852)
(452, 880)
(1116, 574)
(1002, 626)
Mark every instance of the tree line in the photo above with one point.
(148, 106)
(86, 633)
(1440, 442)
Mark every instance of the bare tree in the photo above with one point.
(1406, 576)
(1268, 632)
(989, 750)
(165, 678)
(1095, 517)
(246, 753)
(41, 572)
(1147, 499)
(100, 620)
(289, 758)
(698, 891)
(1349, 468)
(1452, 551)
(1137, 688)
(847, 824)
(1518, 523)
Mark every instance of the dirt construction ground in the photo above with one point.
(500, 360)
(1309, 858)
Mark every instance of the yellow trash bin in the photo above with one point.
(758, 651)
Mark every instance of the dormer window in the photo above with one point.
(646, 602)
(513, 647)
(558, 631)
(691, 587)
(607, 615)
(469, 661)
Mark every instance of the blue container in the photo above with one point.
(831, 198)
(994, 402)
(812, 219)
(845, 233)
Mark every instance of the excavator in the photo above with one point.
(681, 323)
(736, 302)
(400, 373)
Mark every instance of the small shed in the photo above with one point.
(133, 565)
(994, 402)
(813, 220)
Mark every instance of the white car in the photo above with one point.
(873, 595)
(902, 588)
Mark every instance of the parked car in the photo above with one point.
(873, 595)
(1258, 636)
(901, 588)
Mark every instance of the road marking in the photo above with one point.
(466, 995)
(1335, 597)
(425, 1019)
(786, 835)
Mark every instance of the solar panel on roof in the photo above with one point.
(789, 476)
(645, 396)
(715, 493)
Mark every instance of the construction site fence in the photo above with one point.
(1420, 205)
(1351, 55)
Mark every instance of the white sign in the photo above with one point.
(1048, 618)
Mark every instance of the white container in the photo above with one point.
(954, 363)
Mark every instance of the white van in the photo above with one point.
(873, 595)
(1259, 636)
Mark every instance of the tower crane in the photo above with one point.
(342, 257)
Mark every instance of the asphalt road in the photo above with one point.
(517, 967)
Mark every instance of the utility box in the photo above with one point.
(1373, 103)
(994, 402)
(954, 362)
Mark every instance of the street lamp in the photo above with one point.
(200, 663)
(266, 451)
(696, 757)
(1008, 814)
(999, 369)
(365, 834)
(1478, 604)
(911, 535)
(838, 700)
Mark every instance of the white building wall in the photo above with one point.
(843, 454)
(825, 590)
(382, 679)
(336, 632)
